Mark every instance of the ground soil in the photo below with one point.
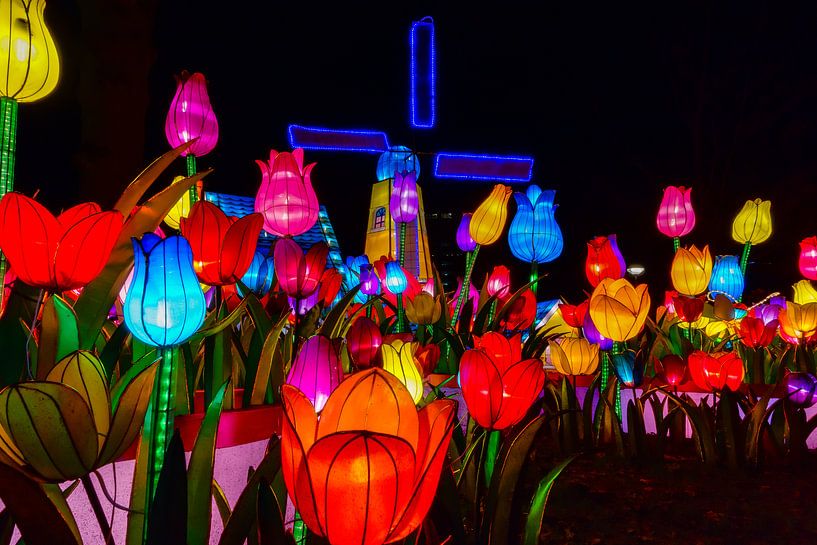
(609, 501)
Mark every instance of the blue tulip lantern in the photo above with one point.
(397, 159)
(534, 235)
(727, 277)
(396, 283)
(259, 276)
(163, 308)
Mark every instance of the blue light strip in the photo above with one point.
(465, 166)
(423, 100)
(317, 138)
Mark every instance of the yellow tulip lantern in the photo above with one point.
(798, 322)
(618, 309)
(574, 356)
(804, 292)
(398, 359)
(182, 208)
(29, 70)
(752, 225)
(485, 227)
(691, 270)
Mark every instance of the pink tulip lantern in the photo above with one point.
(299, 274)
(808, 258)
(316, 371)
(676, 217)
(286, 198)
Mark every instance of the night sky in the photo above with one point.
(614, 101)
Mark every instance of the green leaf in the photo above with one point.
(166, 520)
(270, 522)
(243, 516)
(36, 510)
(222, 504)
(533, 522)
(137, 188)
(756, 421)
(221, 324)
(200, 473)
(113, 350)
(261, 380)
(514, 453)
(218, 364)
(59, 335)
(98, 296)
(259, 316)
(333, 324)
(704, 435)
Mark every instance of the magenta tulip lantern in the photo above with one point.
(364, 340)
(369, 283)
(316, 371)
(286, 198)
(675, 215)
(191, 116)
(404, 202)
(299, 274)
(808, 258)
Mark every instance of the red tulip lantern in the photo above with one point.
(363, 341)
(286, 198)
(498, 386)
(716, 372)
(673, 370)
(299, 274)
(499, 282)
(331, 280)
(521, 313)
(604, 260)
(223, 248)
(808, 258)
(755, 333)
(56, 253)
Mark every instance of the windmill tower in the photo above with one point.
(381, 232)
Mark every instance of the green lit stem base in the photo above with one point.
(191, 170)
(8, 149)
(470, 258)
(159, 421)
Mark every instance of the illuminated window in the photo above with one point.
(379, 222)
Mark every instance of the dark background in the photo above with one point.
(614, 100)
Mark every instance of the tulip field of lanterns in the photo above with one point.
(247, 395)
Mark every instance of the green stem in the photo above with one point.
(402, 250)
(159, 422)
(400, 324)
(299, 529)
(191, 170)
(466, 286)
(8, 148)
(491, 452)
(605, 370)
(676, 244)
(534, 277)
(744, 264)
(618, 348)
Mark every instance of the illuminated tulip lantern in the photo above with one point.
(808, 258)
(485, 227)
(60, 253)
(363, 341)
(751, 226)
(534, 236)
(691, 270)
(316, 371)
(574, 356)
(398, 359)
(464, 241)
(190, 117)
(163, 308)
(716, 372)
(30, 67)
(403, 206)
(223, 248)
(366, 469)
(286, 198)
(676, 218)
(727, 278)
(604, 260)
(299, 274)
(498, 386)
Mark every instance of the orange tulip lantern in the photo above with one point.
(56, 253)
(498, 386)
(716, 372)
(366, 470)
(691, 270)
(223, 248)
(618, 309)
